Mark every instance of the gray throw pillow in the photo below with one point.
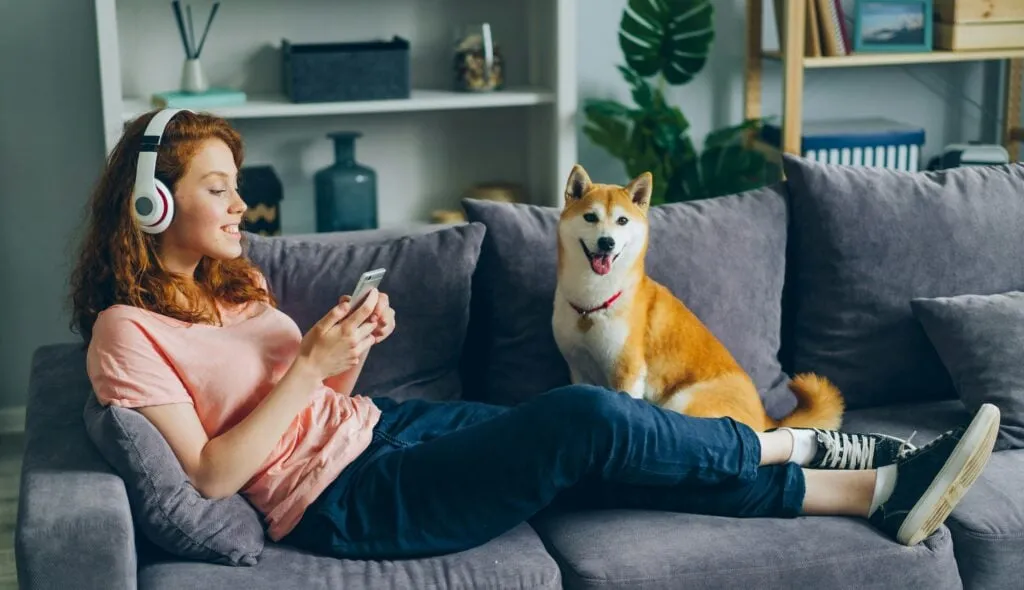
(980, 339)
(427, 282)
(865, 241)
(724, 257)
(165, 506)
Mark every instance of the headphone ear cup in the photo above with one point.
(155, 210)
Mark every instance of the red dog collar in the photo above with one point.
(605, 305)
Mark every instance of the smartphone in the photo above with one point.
(369, 280)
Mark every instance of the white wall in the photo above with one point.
(938, 97)
(51, 139)
(50, 151)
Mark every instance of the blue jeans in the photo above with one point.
(441, 477)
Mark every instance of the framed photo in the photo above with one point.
(892, 26)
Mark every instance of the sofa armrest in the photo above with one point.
(74, 526)
(74, 531)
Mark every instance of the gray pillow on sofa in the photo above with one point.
(980, 339)
(427, 282)
(165, 506)
(724, 257)
(865, 241)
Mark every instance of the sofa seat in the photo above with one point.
(517, 559)
(988, 524)
(641, 549)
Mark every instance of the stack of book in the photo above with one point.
(826, 32)
(971, 25)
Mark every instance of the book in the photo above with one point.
(214, 97)
(829, 22)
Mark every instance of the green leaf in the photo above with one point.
(643, 94)
(608, 133)
(605, 108)
(731, 168)
(670, 37)
(727, 135)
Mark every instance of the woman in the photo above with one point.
(333, 472)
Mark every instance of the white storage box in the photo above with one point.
(879, 143)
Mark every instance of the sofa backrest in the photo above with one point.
(428, 285)
(864, 242)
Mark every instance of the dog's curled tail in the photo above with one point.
(819, 403)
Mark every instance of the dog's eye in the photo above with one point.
(590, 218)
(622, 221)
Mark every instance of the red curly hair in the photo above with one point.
(118, 262)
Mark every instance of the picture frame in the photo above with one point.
(893, 26)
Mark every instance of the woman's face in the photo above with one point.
(207, 211)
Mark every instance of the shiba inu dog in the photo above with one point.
(618, 328)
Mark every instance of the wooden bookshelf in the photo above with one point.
(899, 59)
(794, 62)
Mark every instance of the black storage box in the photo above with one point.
(327, 72)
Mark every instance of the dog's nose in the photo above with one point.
(605, 244)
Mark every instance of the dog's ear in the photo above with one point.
(640, 189)
(577, 185)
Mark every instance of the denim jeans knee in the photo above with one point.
(588, 404)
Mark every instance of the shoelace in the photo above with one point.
(844, 450)
(906, 448)
(958, 431)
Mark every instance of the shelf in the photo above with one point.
(889, 59)
(261, 107)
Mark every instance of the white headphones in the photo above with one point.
(152, 203)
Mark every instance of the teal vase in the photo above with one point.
(346, 191)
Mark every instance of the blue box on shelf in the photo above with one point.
(332, 72)
(875, 142)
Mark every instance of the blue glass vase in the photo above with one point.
(346, 191)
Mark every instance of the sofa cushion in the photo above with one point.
(427, 283)
(978, 338)
(166, 508)
(988, 524)
(650, 549)
(516, 559)
(724, 257)
(865, 241)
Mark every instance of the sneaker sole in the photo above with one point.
(961, 469)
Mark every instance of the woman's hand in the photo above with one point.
(384, 318)
(341, 338)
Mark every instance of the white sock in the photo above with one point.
(805, 445)
(885, 482)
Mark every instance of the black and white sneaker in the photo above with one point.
(835, 449)
(931, 480)
(853, 450)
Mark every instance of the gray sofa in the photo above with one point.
(814, 273)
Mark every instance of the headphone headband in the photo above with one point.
(152, 202)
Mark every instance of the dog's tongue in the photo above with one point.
(601, 264)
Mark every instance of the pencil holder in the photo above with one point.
(192, 78)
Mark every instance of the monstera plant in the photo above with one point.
(667, 42)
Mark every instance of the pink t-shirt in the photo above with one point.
(139, 358)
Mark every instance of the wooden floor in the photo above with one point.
(10, 474)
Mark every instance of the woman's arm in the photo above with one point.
(221, 466)
(345, 383)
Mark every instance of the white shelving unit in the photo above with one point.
(426, 149)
